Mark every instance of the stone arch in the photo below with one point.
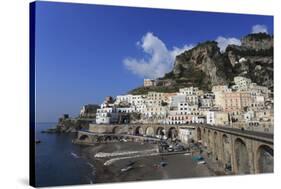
(85, 138)
(107, 138)
(130, 131)
(100, 138)
(115, 130)
(264, 159)
(215, 146)
(209, 141)
(226, 152)
(172, 133)
(160, 131)
(199, 134)
(149, 131)
(139, 131)
(204, 137)
(241, 157)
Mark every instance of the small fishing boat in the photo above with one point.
(127, 169)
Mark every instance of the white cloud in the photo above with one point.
(224, 42)
(259, 29)
(160, 59)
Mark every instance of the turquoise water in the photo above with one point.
(58, 161)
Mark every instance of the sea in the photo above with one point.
(60, 162)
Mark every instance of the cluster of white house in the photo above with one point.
(244, 103)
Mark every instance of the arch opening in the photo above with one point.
(139, 131)
(85, 138)
(160, 131)
(265, 159)
(199, 134)
(172, 133)
(226, 153)
(241, 157)
(209, 141)
(149, 131)
(115, 130)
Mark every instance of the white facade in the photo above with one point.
(249, 115)
(189, 91)
(156, 112)
(186, 134)
(207, 102)
(106, 115)
(126, 109)
(175, 100)
(192, 99)
(154, 99)
(198, 119)
(149, 82)
(242, 83)
(219, 91)
(211, 117)
(124, 98)
(183, 108)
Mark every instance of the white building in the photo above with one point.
(242, 83)
(218, 118)
(199, 119)
(192, 99)
(257, 90)
(206, 102)
(249, 115)
(175, 100)
(149, 82)
(154, 99)
(130, 109)
(183, 108)
(189, 91)
(156, 112)
(106, 115)
(124, 98)
(219, 91)
(211, 117)
(186, 135)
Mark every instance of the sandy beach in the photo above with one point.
(144, 163)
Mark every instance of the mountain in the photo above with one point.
(205, 65)
(253, 59)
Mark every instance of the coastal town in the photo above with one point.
(221, 128)
(122, 94)
(212, 114)
(244, 105)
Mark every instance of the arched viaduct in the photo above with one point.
(171, 131)
(243, 152)
(246, 152)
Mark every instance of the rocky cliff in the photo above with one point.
(253, 59)
(204, 65)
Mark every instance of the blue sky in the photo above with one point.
(86, 52)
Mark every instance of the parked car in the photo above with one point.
(201, 162)
(179, 148)
(163, 163)
(170, 149)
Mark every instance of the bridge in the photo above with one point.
(243, 151)
(86, 137)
